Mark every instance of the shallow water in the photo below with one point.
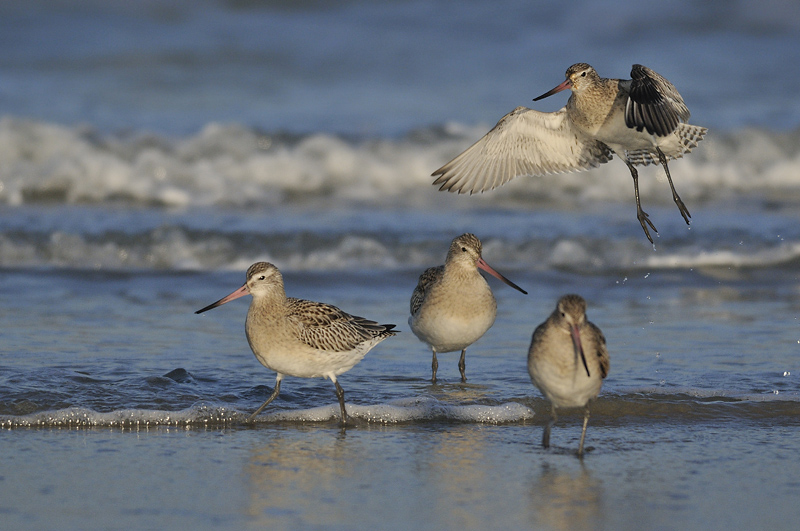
(129, 408)
(429, 476)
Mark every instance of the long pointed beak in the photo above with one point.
(563, 86)
(486, 267)
(576, 343)
(241, 292)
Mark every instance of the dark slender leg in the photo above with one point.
(550, 423)
(340, 396)
(681, 206)
(434, 366)
(583, 433)
(462, 366)
(270, 399)
(641, 215)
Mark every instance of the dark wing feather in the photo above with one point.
(653, 103)
(426, 280)
(602, 350)
(326, 327)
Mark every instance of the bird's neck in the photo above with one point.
(463, 273)
(591, 107)
(272, 301)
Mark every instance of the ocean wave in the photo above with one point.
(232, 165)
(181, 248)
(690, 406)
(395, 412)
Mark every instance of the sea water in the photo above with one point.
(149, 153)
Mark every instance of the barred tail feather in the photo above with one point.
(688, 136)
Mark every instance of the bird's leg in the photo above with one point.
(434, 366)
(583, 432)
(640, 214)
(340, 396)
(270, 399)
(684, 211)
(462, 366)
(550, 423)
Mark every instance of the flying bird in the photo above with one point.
(642, 120)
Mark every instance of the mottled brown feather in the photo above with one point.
(326, 327)
(429, 277)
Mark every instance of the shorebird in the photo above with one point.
(452, 305)
(296, 337)
(568, 361)
(642, 120)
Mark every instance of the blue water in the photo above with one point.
(150, 152)
(383, 68)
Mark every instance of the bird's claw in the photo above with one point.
(683, 210)
(644, 219)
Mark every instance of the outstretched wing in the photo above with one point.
(326, 327)
(653, 103)
(524, 142)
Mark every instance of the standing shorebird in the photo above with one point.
(452, 305)
(641, 119)
(301, 338)
(568, 361)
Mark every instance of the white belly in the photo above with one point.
(449, 321)
(447, 333)
(621, 138)
(281, 351)
(565, 385)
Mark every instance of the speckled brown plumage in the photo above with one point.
(296, 337)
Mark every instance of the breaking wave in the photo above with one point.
(231, 165)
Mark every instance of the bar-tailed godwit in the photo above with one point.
(568, 361)
(452, 305)
(296, 337)
(642, 120)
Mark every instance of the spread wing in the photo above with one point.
(426, 280)
(524, 142)
(326, 327)
(653, 103)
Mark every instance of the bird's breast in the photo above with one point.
(591, 110)
(455, 315)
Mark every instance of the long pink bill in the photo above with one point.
(486, 267)
(241, 292)
(576, 342)
(563, 86)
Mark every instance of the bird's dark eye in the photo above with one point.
(262, 277)
(464, 249)
(583, 74)
(563, 314)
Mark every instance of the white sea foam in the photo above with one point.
(124, 418)
(180, 249)
(401, 411)
(782, 254)
(398, 411)
(320, 202)
(410, 410)
(234, 165)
